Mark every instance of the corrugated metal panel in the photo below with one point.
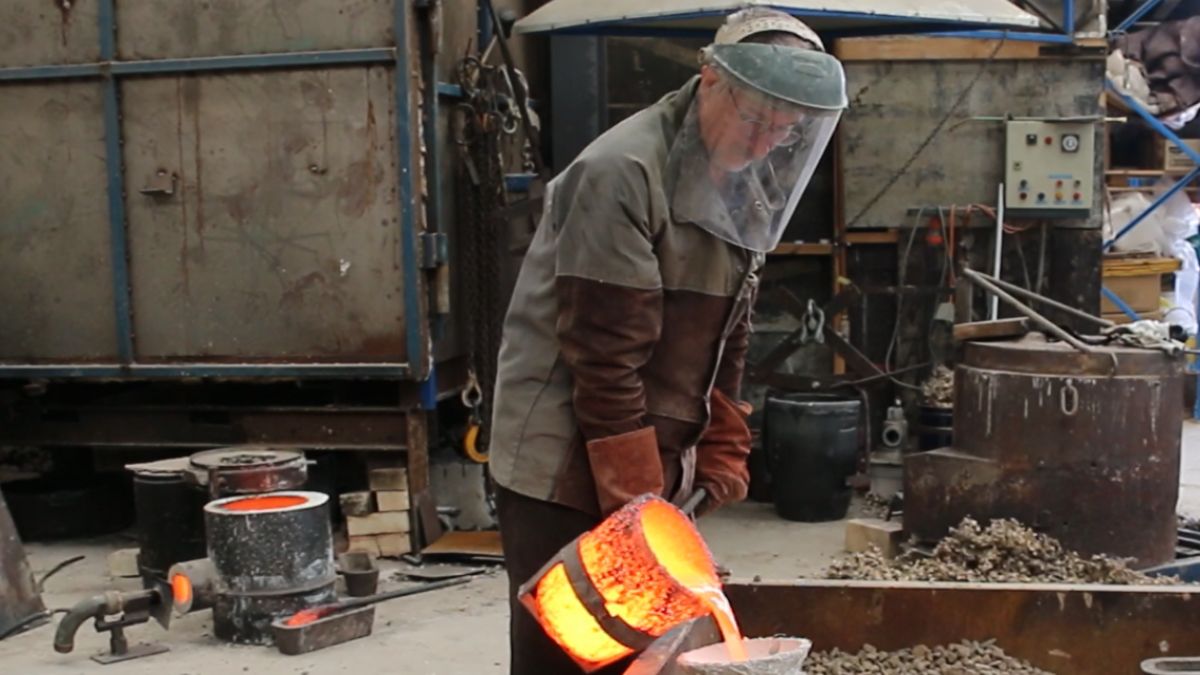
(280, 240)
(154, 29)
(55, 262)
(41, 32)
(559, 15)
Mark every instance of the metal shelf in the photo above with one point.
(1135, 107)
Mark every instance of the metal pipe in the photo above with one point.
(694, 501)
(994, 309)
(1037, 297)
(1121, 304)
(1042, 321)
(1145, 9)
(97, 605)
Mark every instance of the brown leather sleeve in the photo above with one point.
(607, 333)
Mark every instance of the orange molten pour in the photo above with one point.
(652, 571)
(264, 503)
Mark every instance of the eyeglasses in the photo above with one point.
(789, 134)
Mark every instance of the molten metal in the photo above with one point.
(272, 503)
(637, 575)
(181, 590)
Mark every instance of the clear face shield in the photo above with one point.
(752, 139)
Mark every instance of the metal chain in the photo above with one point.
(481, 196)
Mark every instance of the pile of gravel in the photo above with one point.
(1004, 551)
(964, 658)
(938, 390)
(873, 506)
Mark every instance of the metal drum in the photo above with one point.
(1083, 447)
(170, 520)
(273, 555)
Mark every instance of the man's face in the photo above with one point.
(739, 128)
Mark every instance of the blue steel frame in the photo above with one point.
(108, 71)
(1171, 136)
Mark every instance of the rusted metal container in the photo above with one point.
(1082, 447)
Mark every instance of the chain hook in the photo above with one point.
(1068, 399)
(812, 324)
(472, 398)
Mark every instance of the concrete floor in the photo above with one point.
(451, 631)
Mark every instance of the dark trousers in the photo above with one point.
(532, 531)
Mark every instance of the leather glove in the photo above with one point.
(722, 453)
(624, 467)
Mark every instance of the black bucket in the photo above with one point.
(811, 443)
(935, 427)
(170, 521)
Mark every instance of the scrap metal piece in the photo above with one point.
(327, 631)
(20, 600)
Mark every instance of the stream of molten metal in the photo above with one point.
(715, 600)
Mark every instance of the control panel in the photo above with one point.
(1049, 168)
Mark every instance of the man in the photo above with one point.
(624, 344)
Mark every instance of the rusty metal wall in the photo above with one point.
(1067, 629)
(281, 236)
(152, 29)
(40, 32)
(55, 257)
(1062, 443)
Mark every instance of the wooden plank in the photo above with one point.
(393, 545)
(1119, 266)
(931, 49)
(789, 248)
(365, 544)
(357, 503)
(392, 500)
(482, 543)
(878, 237)
(392, 522)
(991, 330)
(393, 478)
(863, 534)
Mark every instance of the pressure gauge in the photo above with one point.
(1070, 142)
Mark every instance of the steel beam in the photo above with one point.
(202, 64)
(417, 346)
(305, 428)
(207, 370)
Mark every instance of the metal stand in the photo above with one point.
(118, 644)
